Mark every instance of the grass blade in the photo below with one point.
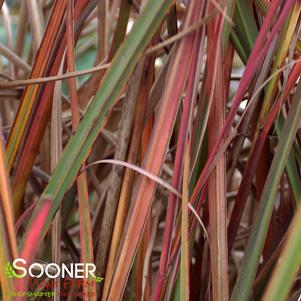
(259, 230)
(288, 264)
(39, 67)
(184, 270)
(79, 145)
(217, 179)
(8, 250)
(82, 182)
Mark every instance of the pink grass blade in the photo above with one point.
(217, 179)
(153, 163)
(30, 249)
(260, 48)
(192, 83)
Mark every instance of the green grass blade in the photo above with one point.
(259, 230)
(227, 26)
(246, 25)
(80, 144)
(291, 166)
(184, 269)
(288, 264)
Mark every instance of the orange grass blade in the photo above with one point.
(8, 249)
(39, 68)
(82, 183)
